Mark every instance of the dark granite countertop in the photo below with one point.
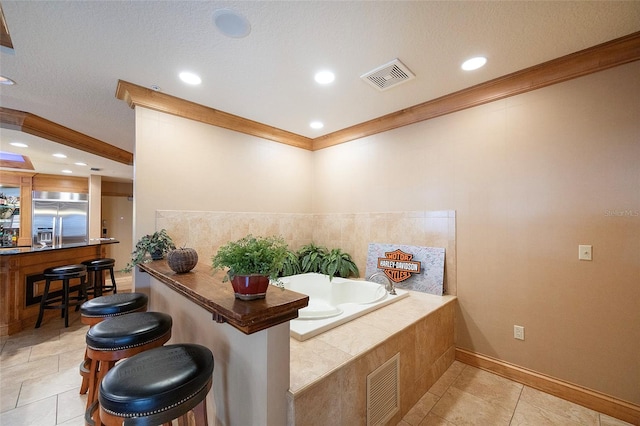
(8, 251)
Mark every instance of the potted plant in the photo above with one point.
(156, 245)
(311, 257)
(338, 263)
(251, 262)
(291, 265)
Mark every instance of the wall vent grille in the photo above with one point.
(383, 392)
(388, 75)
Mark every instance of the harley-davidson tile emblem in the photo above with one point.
(398, 265)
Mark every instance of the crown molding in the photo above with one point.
(41, 127)
(135, 95)
(597, 58)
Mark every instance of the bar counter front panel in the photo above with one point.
(22, 282)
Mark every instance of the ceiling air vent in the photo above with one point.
(388, 75)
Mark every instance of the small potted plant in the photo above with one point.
(338, 263)
(311, 257)
(252, 262)
(157, 245)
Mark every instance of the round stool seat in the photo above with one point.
(159, 384)
(98, 264)
(67, 271)
(128, 331)
(113, 305)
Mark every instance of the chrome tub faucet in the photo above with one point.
(389, 286)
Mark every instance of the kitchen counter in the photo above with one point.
(8, 251)
(22, 281)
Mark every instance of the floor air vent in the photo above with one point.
(383, 392)
(388, 75)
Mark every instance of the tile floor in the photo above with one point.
(39, 385)
(466, 395)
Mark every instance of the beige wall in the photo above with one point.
(186, 165)
(530, 178)
(118, 214)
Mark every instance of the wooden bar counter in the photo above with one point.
(249, 339)
(22, 282)
(207, 290)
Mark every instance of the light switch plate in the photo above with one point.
(584, 252)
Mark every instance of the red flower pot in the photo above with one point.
(250, 287)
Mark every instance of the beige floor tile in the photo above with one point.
(531, 415)
(30, 370)
(45, 386)
(433, 420)
(70, 359)
(9, 396)
(57, 347)
(12, 356)
(447, 379)
(566, 409)
(462, 408)
(39, 413)
(489, 387)
(70, 405)
(420, 410)
(76, 421)
(611, 421)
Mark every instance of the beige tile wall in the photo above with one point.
(352, 232)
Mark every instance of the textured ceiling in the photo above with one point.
(68, 56)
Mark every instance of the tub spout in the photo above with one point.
(390, 286)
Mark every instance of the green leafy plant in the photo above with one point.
(311, 257)
(291, 265)
(251, 256)
(157, 245)
(338, 263)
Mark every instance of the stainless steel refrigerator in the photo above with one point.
(59, 219)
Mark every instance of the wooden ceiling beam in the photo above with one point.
(38, 126)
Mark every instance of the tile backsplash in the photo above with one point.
(205, 231)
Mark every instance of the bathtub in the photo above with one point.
(335, 302)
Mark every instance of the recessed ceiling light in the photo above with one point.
(231, 23)
(324, 77)
(80, 163)
(19, 144)
(190, 78)
(67, 171)
(6, 81)
(316, 125)
(60, 155)
(474, 63)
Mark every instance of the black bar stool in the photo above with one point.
(118, 338)
(158, 386)
(64, 274)
(95, 269)
(100, 308)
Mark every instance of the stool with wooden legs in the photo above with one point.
(62, 302)
(157, 386)
(95, 310)
(95, 270)
(118, 338)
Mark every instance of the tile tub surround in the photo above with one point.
(205, 231)
(328, 372)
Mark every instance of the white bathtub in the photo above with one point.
(335, 302)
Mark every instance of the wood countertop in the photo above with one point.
(205, 288)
